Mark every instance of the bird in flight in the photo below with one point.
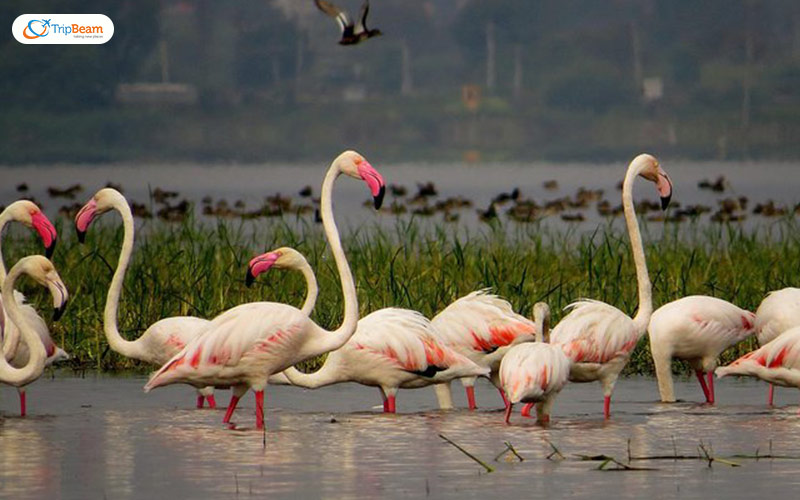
(351, 33)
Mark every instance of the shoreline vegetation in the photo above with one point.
(197, 267)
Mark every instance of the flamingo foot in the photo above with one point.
(607, 407)
(391, 405)
(22, 405)
(200, 400)
(231, 407)
(509, 407)
(471, 397)
(503, 395)
(711, 387)
(544, 420)
(259, 410)
(526, 409)
(212, 403)
(702, 381)
(771, 396)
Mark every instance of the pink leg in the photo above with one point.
(260, 409)
(503, 395)
(526, 409)
(392, 408)
(385, 401)
(471, 397)
(544, 421)
(22, 405)
(711, 386)
(200, 400)
(212, 403)
(702, 381)
(231, 407)
(771, 396)
(607, 407)
(509, 406)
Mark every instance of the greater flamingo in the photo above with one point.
(164, 338)
(696, 329)
(27, 213)
(778, 312)
(597, 337)
(43, 272)
(391, 349)
(535, 372)
(776, 362)
(482, 327)
(243, 346)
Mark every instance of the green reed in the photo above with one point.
(198, 268)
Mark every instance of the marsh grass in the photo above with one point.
(198, 268)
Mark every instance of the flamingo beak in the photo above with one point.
(375, 182)
(664, 186)
(46, 231)
(84, 218)
(260, 264)
(60, 297)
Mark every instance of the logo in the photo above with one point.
(34, 29)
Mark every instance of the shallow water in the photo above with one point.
(102, 437)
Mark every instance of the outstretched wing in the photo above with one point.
(362, 18)
(335, 12)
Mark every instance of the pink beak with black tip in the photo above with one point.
(259, 265)
(664, 186)
(84, 218)
(46, 231)
(375, 182)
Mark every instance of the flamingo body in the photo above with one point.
(777, 313)
(696, 329)
(534, 372)
(777, 362)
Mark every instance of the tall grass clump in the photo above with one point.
(197, 267)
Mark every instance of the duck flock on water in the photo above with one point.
(256, 344)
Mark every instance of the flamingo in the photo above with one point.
(482, 327)
(535, 372)
(164, 338)
(776, 362)
(778, 312)
(597, 337)
(243, 346)
(27, 213)
(696, 329)
(392, 348)
(43, 272)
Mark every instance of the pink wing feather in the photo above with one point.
(595, 332)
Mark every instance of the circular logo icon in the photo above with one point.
(36, 29)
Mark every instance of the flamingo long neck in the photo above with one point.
(542, 329)
(328, 374)
(4, 218)
(338, 337)
(130, 349)
(37, 355)
(642, 317)
(312, 287)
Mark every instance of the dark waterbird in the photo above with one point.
(352, 33)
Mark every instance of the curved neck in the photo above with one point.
(326, 375)
(642, 317)
(115, 340)
(312, 288)
(338, 337)
(4, 218)
(37, 355)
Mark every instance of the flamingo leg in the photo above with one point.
(607, 407)
(711, 387)
(385, 400)
(771, 396)
(392, 408)
(471, 397)
(503, 395)
(212, 403)
(22, 405)
(702, 381)
(200, 400)
(509, 407)
(526, 409)
(231, 407)
(260, 409)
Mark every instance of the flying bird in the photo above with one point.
(351, 33)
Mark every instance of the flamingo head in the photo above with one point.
(354, 165)
(102, 201)
(43, 272)
(650, 169)
(281, 258)
(541, 315)
(29, 214)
